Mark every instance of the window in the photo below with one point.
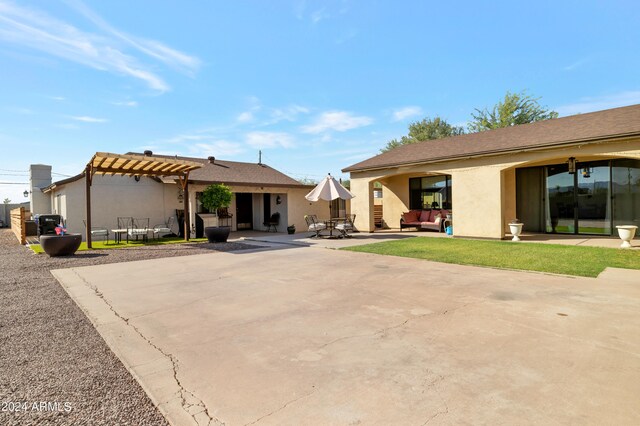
(430, 192)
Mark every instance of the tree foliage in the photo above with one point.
(427, 129)
(514, 109)
(7, 201)
(216, 196)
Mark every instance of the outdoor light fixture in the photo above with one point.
(278, 200)
(586, 172)
(26, 193)
(137, 178)
(572, 165)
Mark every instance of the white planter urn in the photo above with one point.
(516, 230)
(626, 233)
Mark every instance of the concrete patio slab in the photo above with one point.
(305, 335)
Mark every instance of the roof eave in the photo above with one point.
(494, 152)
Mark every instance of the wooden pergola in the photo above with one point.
(139, 165)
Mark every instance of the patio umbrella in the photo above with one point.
(329, 189)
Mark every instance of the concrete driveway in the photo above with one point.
(315, 336)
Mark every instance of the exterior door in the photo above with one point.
(560, 200)
(244, 210)
(593, 198)
(579, 203)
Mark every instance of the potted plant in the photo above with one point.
(626, 233)
(291, 229)
(215, 197)
(60, 244)
(515, 226)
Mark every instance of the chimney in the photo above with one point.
(211, 159)
(148, 153)
(39, 177)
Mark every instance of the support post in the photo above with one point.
(87, 178)
(184, 181)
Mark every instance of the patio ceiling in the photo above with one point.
(139, 165)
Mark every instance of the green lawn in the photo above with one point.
(555, 258)
(101, 245)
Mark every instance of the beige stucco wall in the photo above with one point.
(483, 188)
(113, 197)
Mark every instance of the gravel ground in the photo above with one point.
(50, 352)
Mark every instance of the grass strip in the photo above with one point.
(102, 245)
(554, 258)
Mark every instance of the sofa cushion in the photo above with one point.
(411, 216)
(424, 216)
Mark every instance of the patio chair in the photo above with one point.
(163, 228)
(98, 231)
(346, 226)
(314, 225)
(272, 222)
(139, 227)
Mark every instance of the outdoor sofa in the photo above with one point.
(432, 219)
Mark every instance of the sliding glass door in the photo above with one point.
(579, 203)
(593, 196)
(560, 200)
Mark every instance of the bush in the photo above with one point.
(216, 196)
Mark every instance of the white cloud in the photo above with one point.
(319, 15)
(597, 103)
(40, 31)
(219, 148)
(336, 120)
(406, 112)
(245, 117)
(289, 113)
(269, 140)
(20, 110)
(87, 119)
(57, 98)
(126, 103)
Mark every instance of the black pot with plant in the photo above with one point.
(291, 229)
(215, 197)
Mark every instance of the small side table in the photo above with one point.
(117, 234)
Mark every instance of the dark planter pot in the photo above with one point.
(291, 229)
(217, 234)
(60, 245)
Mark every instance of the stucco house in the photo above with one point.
(258, 191)
(575, 175)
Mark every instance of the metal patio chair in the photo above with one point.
(314, 225)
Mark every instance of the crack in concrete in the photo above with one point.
(381, 331)
(433, 385)
(281, 408)
(174, 362)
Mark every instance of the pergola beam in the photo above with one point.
(133, 164)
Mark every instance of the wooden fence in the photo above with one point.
(377, 215)
(18, 218)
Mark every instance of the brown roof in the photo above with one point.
(236, 173)
(583, 128)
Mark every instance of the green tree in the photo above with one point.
(216, 196)
(308, 181)
(427, 129)
(514, 109)
(7, 201)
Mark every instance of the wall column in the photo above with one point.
(362, 204)
(477, 202)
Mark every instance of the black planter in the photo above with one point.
(291, 229)
(217, 234)
(60, 245)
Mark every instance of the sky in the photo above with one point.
(315, 85)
